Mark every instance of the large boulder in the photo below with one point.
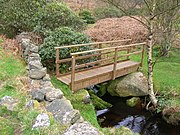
(134, 84)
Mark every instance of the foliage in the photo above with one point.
(87, 16)
(17, 15)
(54, 15)
(61, 37)
(28, 15)
(107, 12)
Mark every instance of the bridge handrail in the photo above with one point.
(108, 48)
(94, 43)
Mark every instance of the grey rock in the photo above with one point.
(69, 117)
(87, 98)
(9, 102)
(34, 58)
(45, 90)
(33, 48)
(42, 120)
(25, 43)
(134, 84)
(37, 95)
(34, 84)
(34, 55)
(46, 78)
(46, 84)
(82, 129)
(26, 51)
(59, 107)
(37, 74)
(52, 95)
(29, 104)
(35, 65)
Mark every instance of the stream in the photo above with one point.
(135, 118)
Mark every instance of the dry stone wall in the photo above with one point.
(42, 90)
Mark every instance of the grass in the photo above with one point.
(166, 71)
(10, 66)
(166, 76)
(21, 119)
(87, 110)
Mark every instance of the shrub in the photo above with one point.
(16, 15)
(28, 15)
(61, 37)
(107, 12)
(87, 16)
(55, 15)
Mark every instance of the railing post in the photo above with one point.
(142, 56)
(57, 63)
(73, 72)
(100, 56)
(115, 63)
(128, 51)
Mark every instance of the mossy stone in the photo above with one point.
(133, 101)
(98, 102)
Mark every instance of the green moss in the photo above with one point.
(98, 102)
(133, 101)
(112, 85)
(102, 90)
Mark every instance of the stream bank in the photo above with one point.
(135, 118)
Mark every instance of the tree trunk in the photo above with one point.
(149, 47)
(150, 70)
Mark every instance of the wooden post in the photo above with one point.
(115, 63)
(100, 56)
(128, 51)
(73, 72)
(57, 63)
(142, 56)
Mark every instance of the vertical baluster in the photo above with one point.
(142, 56)
(115, 63)
(57, 63)
(73, 72)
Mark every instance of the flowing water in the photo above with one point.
(136, 118)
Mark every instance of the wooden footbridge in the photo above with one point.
(104, 61)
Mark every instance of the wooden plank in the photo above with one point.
(108, 48)
(95, 43)
(92, 63)
(100, 74)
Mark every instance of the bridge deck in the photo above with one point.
(97, 75)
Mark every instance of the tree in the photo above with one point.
(153, 9)
(167, 26)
